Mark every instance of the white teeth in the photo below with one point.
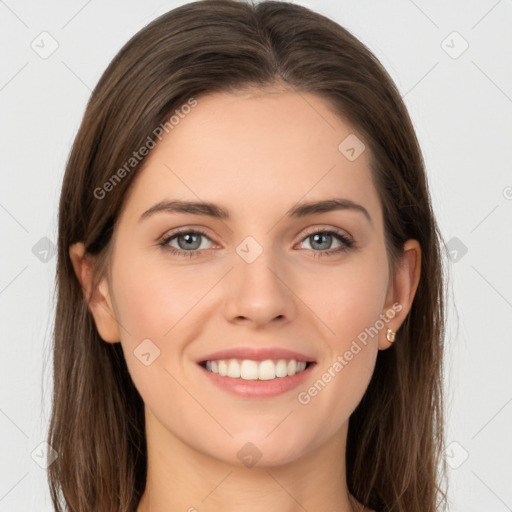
(248, 369)
(267, 370)
(281, 368)
(233, 369)
(223, 368)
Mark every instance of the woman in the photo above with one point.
(209, 354)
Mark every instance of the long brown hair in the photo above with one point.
(395, 442)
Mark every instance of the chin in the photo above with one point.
(263, 450)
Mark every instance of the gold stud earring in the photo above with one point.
(390, 335)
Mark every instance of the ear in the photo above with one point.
(98, 300)
(401, 290)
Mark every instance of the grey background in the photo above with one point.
(461, 105)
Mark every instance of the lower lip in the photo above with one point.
(259, 388)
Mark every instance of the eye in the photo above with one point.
(322, 239)
(189, 242)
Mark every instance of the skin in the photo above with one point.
(256, 154)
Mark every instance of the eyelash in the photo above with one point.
(348, 242)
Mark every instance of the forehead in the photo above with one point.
(257, 150)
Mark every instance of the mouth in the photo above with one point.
(258, 373)
(248, 369)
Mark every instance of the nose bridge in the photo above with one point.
(257, 289)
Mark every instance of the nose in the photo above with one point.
(258, 293)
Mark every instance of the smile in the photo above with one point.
(247, 378)
(248, 369)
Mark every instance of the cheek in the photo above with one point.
(349, 302)
(160, 304)
(152, 306)
(347, 299)
(151, 299)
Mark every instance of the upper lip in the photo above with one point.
(256, 354)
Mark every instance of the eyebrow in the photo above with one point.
(218, 212)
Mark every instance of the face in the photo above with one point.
(259, 283)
